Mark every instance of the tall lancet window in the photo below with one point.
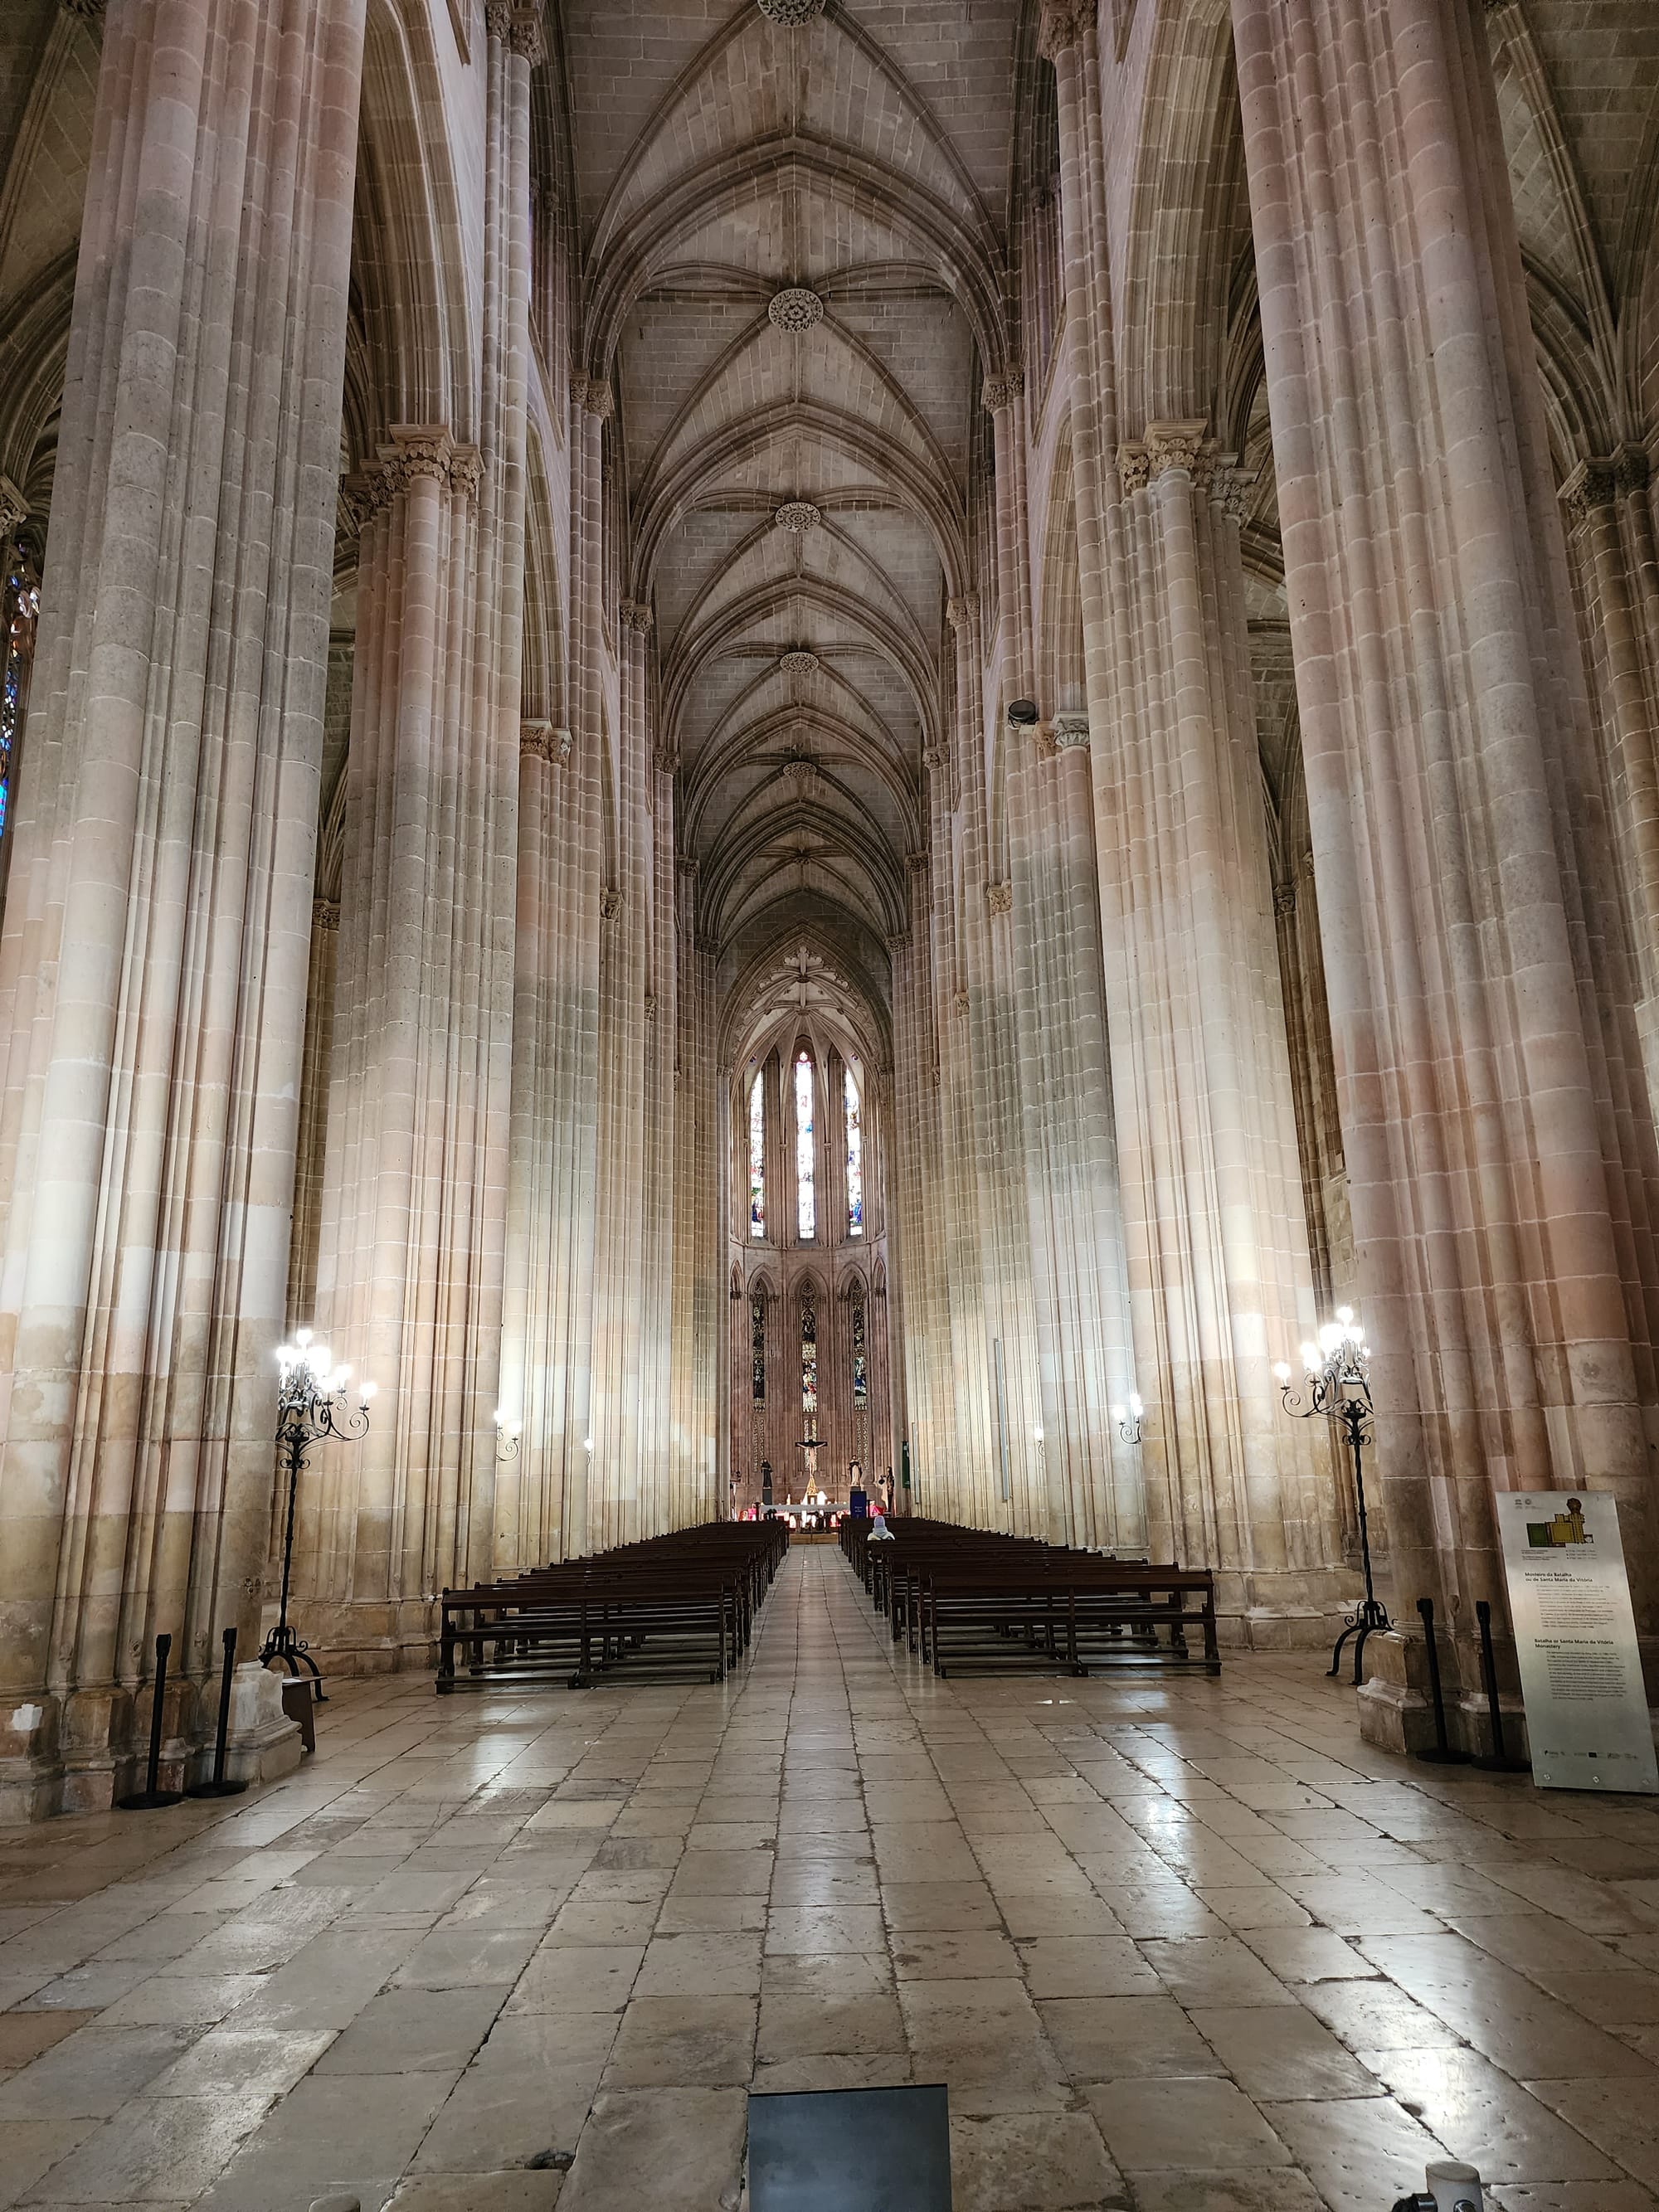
(854, 1161)
(860, 1357)
(20, 609)
(809, 1367)
(758, 1158)
(803, 1181)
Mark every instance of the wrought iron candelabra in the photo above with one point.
(507, 1434)
(1131, 1418)
(310, 1405)
(1337, 1382)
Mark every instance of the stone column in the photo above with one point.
(698, 1408)
(152, 967)
(1475, 961)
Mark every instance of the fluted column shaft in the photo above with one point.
(1461, 845)
(153, 968)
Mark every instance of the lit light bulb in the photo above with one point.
(1330, 1337)
(302, 1337)
(1117, 1412)
(1136, 1407)
(1281, 1370)
(1310, 1359)
(366, 1391)
(1344, 1315)
(499, 1418)
(587, 1443)
(1037, 1433)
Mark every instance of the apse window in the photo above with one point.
(809, 1362)
(854, 1161)
(757, 1159)
(808, 1218)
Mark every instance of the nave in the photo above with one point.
(1170, 1946)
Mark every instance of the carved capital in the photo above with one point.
(635, 615)
(610, 903)
(1284, 898)
(1233, 489)
(526, 36)
(1132, 468)
(324, 914)
(918, 863)
(1000, 391)
(959, 613)
(498, 19)
(897, 942)
(1069, 733)
(666, 761)
(999, 897)
(960, 1002)
(425, 452)
(937, 759)
(594, 395)
(1592, 484)
(541, 740)
(14, 509)
(1173, 446)
(1063, 24)
(1631, 470)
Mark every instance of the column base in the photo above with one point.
(1295, 1609)
(371, 1638)
(79, 1753)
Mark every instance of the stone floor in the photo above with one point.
(1188, 1947)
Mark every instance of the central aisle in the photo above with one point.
(1163, 1941)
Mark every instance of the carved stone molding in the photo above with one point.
(999, 897)
(797, 516)
(937, 759)
(610, 903)
(959, 613)
(1283, 899)
(324, 914)
(918, 863)
(1592, 484)
(960, 1002)
(1001, 391)
(498, 19)
(545, 742)
(594, 395)
(422, 452)
(666, 761)
(1173, 446)
(1069, 733)
(1132, 468)
(790, 14)
(651, 1005)
(14, 509)
(799, 662)
(1063, 24)
(1632, 469)
(635, 615)
(1233, 489)
(795, 309)
(897, 942)
(527, 37)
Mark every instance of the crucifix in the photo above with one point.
(810, 1446)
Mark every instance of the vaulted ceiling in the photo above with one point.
(794, 241)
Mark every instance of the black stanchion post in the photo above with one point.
(219, 1787)
(1440, 1751)
(1499, 1761)
(152, 1794)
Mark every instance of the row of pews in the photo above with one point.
(966, 1598)
(673, 1608)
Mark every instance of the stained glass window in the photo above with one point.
(860, 1361)
(809, 1367)
(21, 611)
(757, 1344)
(803, 1183)
(854, 1161)
(757, 1160)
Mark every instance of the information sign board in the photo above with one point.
(1588, 1725)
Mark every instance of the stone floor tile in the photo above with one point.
(527, 2094)
(406, 2031)
(850, 1928)
(33, 2148)
(1028, 2162)
(90, 2075)
(1275, 2052)
(1205, 2122)
(514, 2191)
(25, 2035)
(591, 1978)
(1359, 2152)
(1215, 1971)
(706, 1966)
(1086, 1966)
(191, 2000)
(1272, 2188)
(1489, 2120)
(1620, 2116)
(803, 2024)
(678, 2042)
(1307, 1954)
(960, 1956)
(1125, 2038)
(662, 2146)
(158, 2148)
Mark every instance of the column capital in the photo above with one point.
(999, 897)
(666, 761)
(527, 37)
(937, 759)
(610, 903)
(1132, 467)
(324, 914)
(1232, 488)
(1063, 24)
(594, 395)
(1173, 446)
(917, 864)
(1592, 484)
(1632, 469)
(635, 615)
(1000, 391)
(14, 507)
(539, 740)
(960, 612)
(1069, 733)
(426, 450)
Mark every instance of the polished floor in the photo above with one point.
(1189, 1947)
